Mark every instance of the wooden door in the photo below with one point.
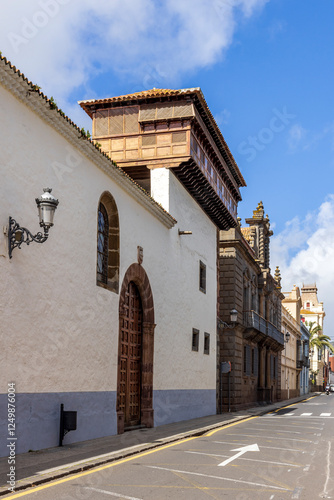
(131, 357)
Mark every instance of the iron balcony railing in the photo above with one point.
(303, 361)
(254, 320)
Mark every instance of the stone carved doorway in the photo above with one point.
(135, 351)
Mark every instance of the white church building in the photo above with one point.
(114, 315)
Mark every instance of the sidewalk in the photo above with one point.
(46, 465)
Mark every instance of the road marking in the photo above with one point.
(242, 450)
(297, 450)
(243, 458)
(285, 417)
(118, 495)
(210, 433)
(292, 425)
(98, 469)
(324, 493)
(325, 414)
(296, 492)
(272, 437)
(305, 414)
(218, 477)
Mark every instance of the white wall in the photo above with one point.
(59, 330)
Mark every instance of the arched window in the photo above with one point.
(107, 270)
(102, 245)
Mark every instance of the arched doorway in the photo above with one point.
(135, 351)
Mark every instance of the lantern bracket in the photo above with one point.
(18, 235)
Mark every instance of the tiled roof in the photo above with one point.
(138, 95)
(201, 104)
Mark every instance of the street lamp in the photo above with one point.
(17, 235)
(233, 319)
(287, 337)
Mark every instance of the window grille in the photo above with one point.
(148, 140)
(102, 244)
(247, 360)
(179, 137)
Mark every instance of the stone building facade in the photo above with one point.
(254, 343)
(313, 312)
(295, 356)
(290, 368)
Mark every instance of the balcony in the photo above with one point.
(262, 328)
(304, 361)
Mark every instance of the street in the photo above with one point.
(281, 455)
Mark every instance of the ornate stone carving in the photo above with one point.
(140, 255)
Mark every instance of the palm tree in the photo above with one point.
(318, 340)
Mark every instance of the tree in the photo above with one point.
(317, 339)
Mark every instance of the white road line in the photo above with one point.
(269, 486)
(325, 414)
(243, 458)
(271, 437)
(293, 426)
(296, 416)
(305, 414)
(287, 432)
(111, 493)
(278, 431)
(324, 493)
(297, 450)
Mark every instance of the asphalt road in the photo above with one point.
(282, 455)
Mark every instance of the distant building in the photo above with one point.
(313, 313)
(304, 360)
(253, 346)
(295, 356)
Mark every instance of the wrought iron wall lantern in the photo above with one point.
(287, 337)
(18, 235)
(233, 319)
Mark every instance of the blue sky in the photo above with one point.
(265, 68)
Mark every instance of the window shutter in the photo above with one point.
(248, 359)
(256, 361)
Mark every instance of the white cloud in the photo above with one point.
(312, 244)
(222, 118)
(276, 28)
(296, 135)
(64, 44)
